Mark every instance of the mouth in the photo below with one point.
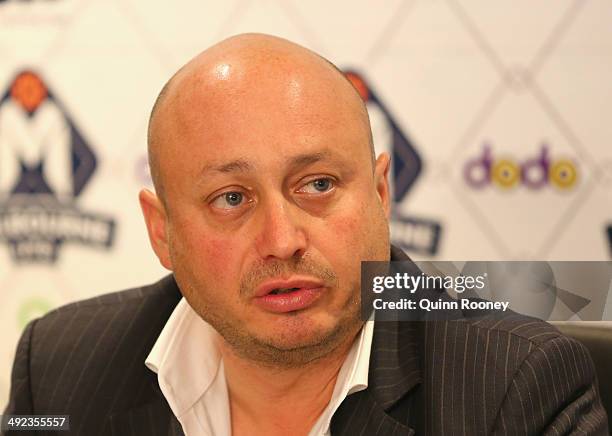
(280, 286)
(282, 296)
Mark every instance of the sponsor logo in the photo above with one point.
(411, 233)
(45, 163)
(534, 173)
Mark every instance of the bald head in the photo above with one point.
(250, 72)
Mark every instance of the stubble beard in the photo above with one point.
(267, 352)
(275, 351)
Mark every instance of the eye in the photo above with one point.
(318, 186)
(228, 200)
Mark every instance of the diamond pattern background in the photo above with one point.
(455, 74)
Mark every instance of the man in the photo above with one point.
(267, 199)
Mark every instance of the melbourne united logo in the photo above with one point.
(45, 163)
(411, 233)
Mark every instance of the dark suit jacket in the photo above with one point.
(473, 376)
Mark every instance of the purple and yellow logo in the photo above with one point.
(535, 172)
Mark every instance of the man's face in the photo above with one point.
(271, 205)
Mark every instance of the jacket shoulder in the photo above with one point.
(526, 377)
(165, 288)
(521, 327)
(96, 348)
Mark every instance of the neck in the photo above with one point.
(280, 400)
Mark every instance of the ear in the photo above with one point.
(381, 179)
(156, 221)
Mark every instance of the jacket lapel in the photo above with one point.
(360, 414)
(385, 408)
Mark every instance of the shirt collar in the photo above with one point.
(185, 358)
(353, 375)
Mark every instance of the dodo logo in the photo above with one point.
(534, 173)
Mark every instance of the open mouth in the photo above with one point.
(288, 295)
(279, 291)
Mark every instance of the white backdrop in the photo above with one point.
(446, 80)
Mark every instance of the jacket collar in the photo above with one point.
(394, 373)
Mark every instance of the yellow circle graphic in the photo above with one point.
(505, 173)
(563, 174)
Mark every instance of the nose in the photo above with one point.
(281, 234)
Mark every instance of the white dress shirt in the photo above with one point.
(191, 375)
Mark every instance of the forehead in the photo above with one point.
(278, 112)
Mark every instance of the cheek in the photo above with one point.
(207, 268)
(217, 252)
(341, 241)
(361, 232)
(204, 252)
(352, 227)
(347, 229)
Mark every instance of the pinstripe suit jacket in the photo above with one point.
(474, 376)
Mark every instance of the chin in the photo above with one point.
(303, 331)
(296, 331)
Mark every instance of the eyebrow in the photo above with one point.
(302, 160)
(244, 166)
(238, 165)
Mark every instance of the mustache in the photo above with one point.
(262, 271)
